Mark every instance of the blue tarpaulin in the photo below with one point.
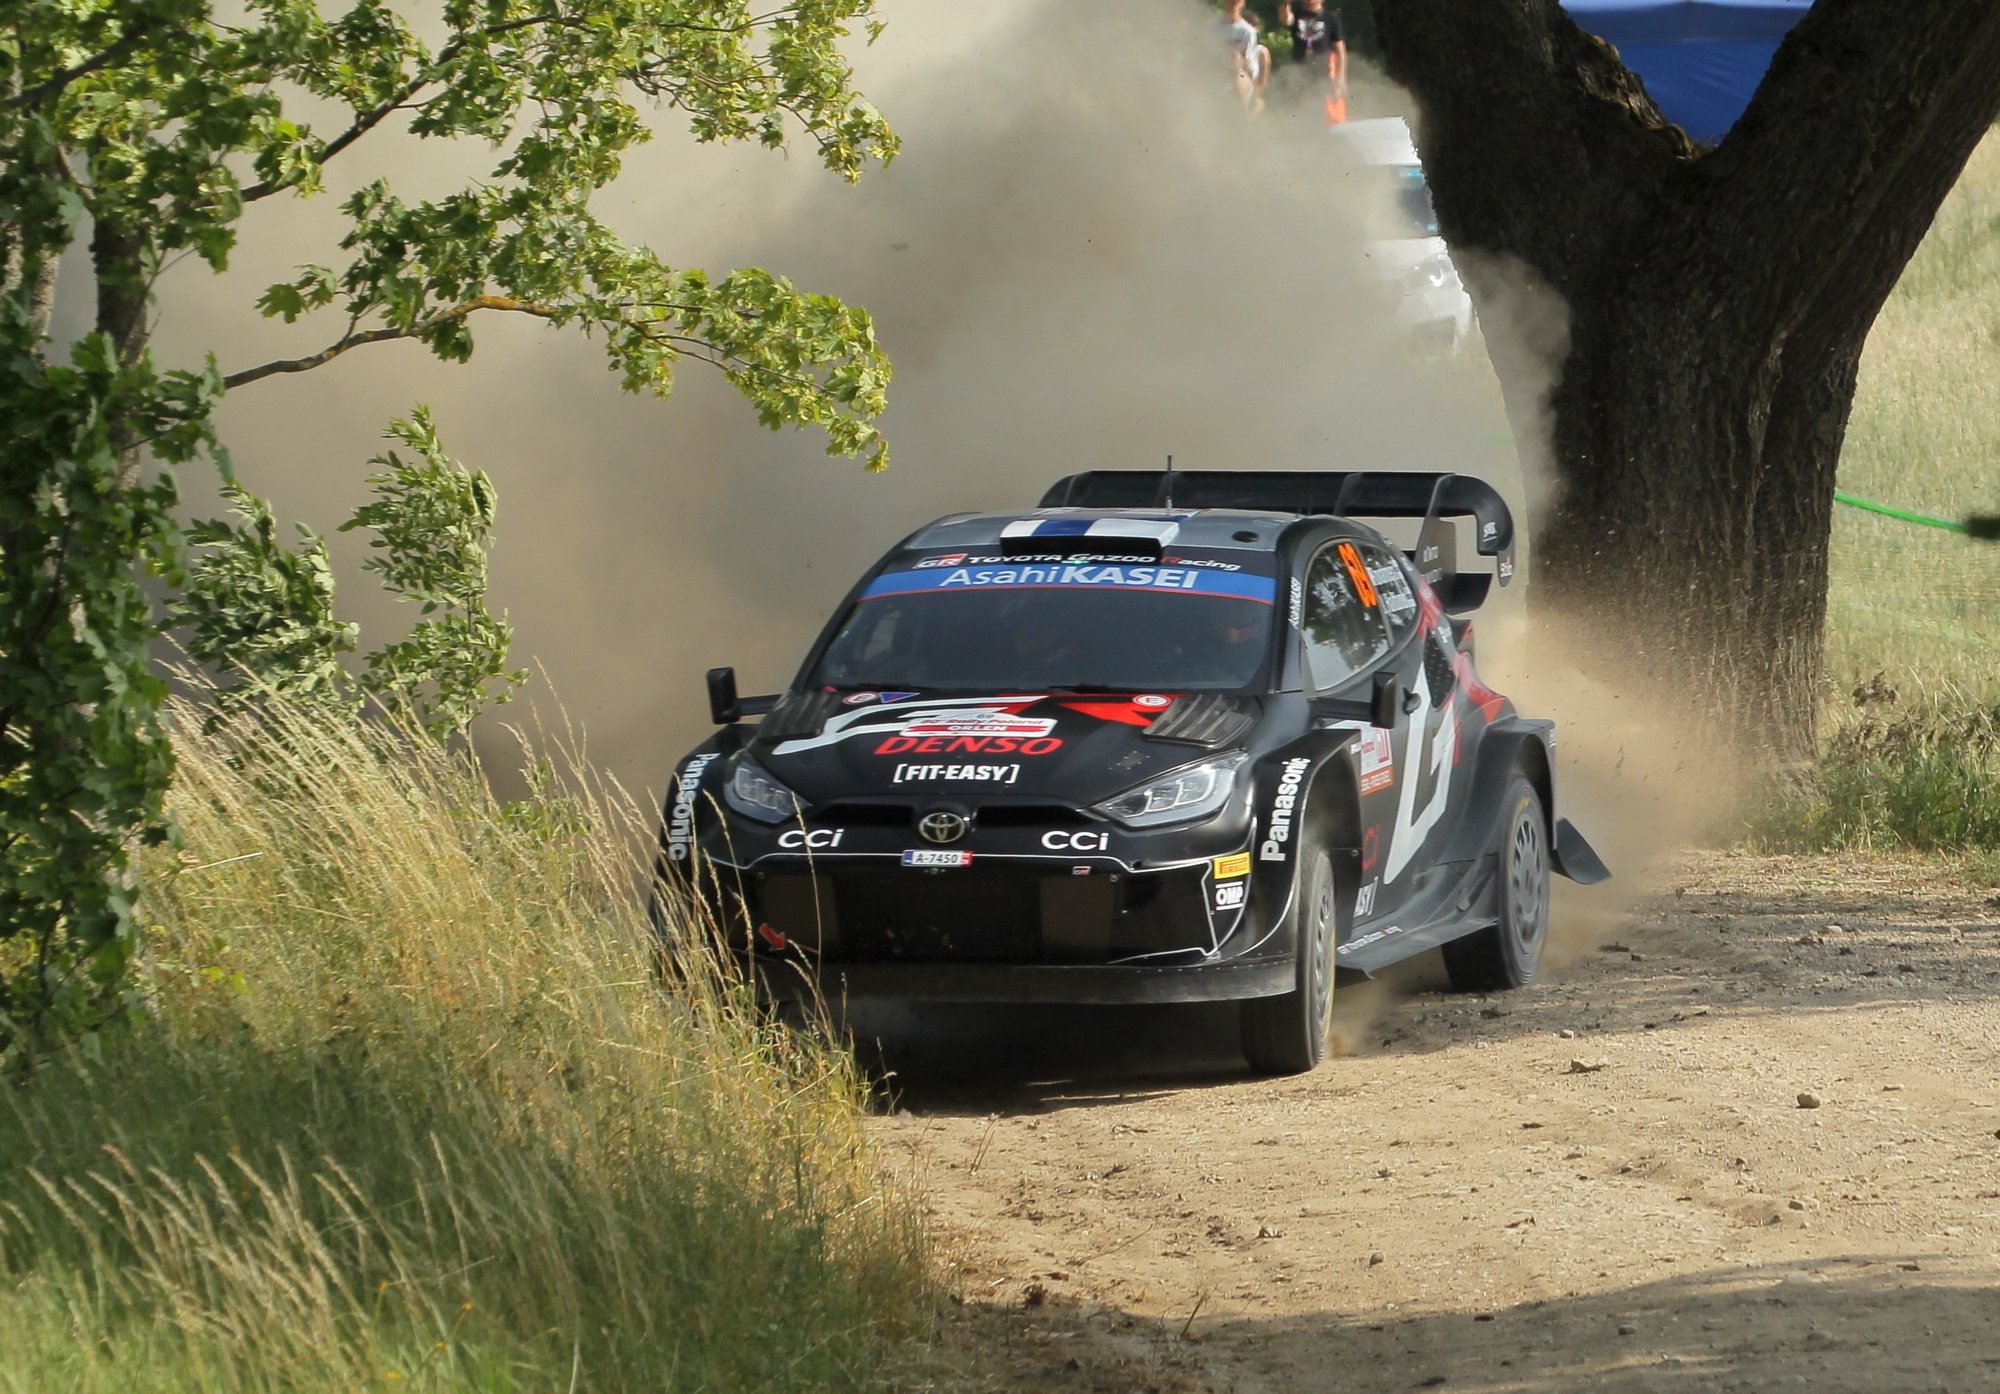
(1701, 59)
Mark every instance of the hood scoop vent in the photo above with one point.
(799, 715)
(1205, 719)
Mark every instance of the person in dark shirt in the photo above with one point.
(1319, 38)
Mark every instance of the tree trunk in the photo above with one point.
(1717, 300)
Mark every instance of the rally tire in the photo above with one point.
(1509, 953)
(1287, 1034)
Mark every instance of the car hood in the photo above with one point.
(1077, 748)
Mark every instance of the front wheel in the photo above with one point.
(1286, 1035)
(1509, 954)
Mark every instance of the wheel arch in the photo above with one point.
(1507, 747)
(1330, 818)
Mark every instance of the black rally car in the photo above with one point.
(1167, 738)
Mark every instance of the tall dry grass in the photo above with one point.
(409, 1110)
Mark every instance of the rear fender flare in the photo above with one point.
(1326, 812)
(1509, 745)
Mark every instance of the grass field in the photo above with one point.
(1920, 605)
(412, 1112)
(1911, 755)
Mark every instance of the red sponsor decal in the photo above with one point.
(969, 745)
(770, 936)
(1141, 710)
(1371, 847)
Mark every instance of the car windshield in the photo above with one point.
(1116, 625)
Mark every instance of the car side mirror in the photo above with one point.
(1385, 702)
(724, 708)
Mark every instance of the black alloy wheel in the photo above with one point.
(1509, 953)
(1287, 1034)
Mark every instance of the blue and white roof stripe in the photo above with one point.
(1160, 527)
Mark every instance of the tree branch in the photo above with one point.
(1579, 136)
(52, 85)
(1871, 108)
(430, 73)
(353, 340)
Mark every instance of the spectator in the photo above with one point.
(1319, 38)
(1249, 59)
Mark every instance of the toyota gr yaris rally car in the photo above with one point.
(1122, 749)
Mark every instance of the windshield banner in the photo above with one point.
(1145, 576)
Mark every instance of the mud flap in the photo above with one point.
(1575, 858)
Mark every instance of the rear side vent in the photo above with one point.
(1207, 719)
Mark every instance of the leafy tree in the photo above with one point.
(1717, 302)
(138, 132)
(261, 613)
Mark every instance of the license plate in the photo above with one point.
(930, 857)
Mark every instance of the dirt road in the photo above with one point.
(1745, 1138)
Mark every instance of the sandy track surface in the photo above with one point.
(1743, 1138)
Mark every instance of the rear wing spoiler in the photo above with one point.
(1434, 498)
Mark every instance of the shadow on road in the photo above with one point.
(1863, 1324)
(1875, 1323)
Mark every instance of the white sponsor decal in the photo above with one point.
(815, 839)
(1412, 824)
(927, 856)
(1298, 602)
(1152, 702)
(680, 816)
(1375, 748)
(1284, 806)
(1372, 937)
(1393, 590)
(1230, 896)
(1430, 562)
(860, 699)
(1157, 577)
(1364, 900)
(1488, 531)
(1060, 841)
(977, 723)
(1506, 570)
(981, 774)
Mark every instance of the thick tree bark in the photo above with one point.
(1718, 301)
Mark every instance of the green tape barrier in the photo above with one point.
(1921, 519)
(1986, 527)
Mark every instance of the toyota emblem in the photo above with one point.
(942, 826)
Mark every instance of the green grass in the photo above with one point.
(1910, 758)
(1920, 605)
(1901, 772)
(409, 1111)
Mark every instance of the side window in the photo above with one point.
(1392, 584)
(1344, 628)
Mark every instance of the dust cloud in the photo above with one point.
(1086, 257)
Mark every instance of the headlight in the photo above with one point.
(1194, 792)
(752, 792)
